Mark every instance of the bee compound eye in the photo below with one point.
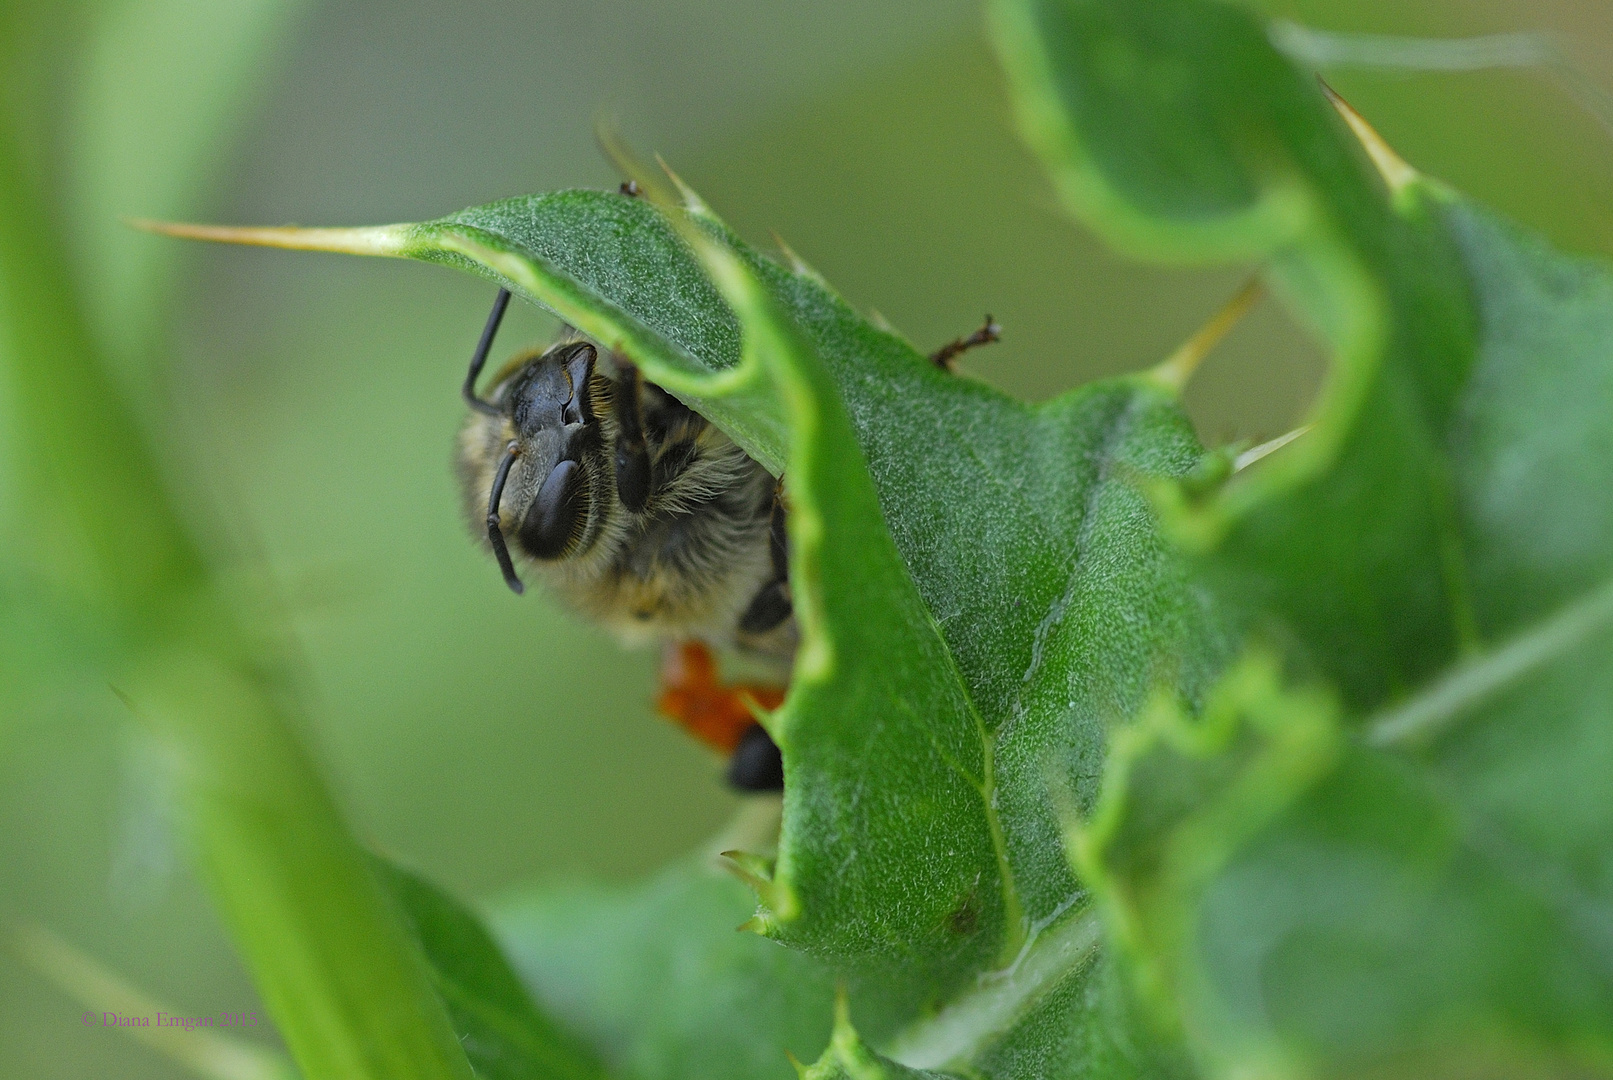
(551, 522)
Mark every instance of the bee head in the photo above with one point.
(549, 489)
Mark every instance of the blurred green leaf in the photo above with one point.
(96, 528)
(1442, 900)
(1433, 898)
(341, 977)
(657, 978)
(106, 103)
(504, 1036)
(1177, 131)
(89, 517)
(158, 88)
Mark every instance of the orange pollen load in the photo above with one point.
(693, 698)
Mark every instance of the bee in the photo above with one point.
(639, 514)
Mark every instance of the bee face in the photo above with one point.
(633, 508)
(557, 498)
(533, 463)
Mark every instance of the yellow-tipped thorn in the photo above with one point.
(756, 924)
(754, 870)
(692, 202)
(843, 1027)
(621, 155)
(1179, 367)
(1255, 453)
(797, 264)
(384, 240)
(1396, 173)
(609, 137)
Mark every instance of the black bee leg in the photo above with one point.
(757, 764)
(946, 354)
(767, 609)
(479, 357)
(772, 604)
(495, 535)
(632, 455)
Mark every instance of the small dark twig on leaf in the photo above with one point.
(946, 354)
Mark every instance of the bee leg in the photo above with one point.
(723, 717)
(479, 357)
(772, 603)
(757, 764)
(946, 354)
(495, 534)
(632, 454)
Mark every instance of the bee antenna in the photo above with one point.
(479, 357)
(495, 535)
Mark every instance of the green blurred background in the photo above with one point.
(309, 401)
